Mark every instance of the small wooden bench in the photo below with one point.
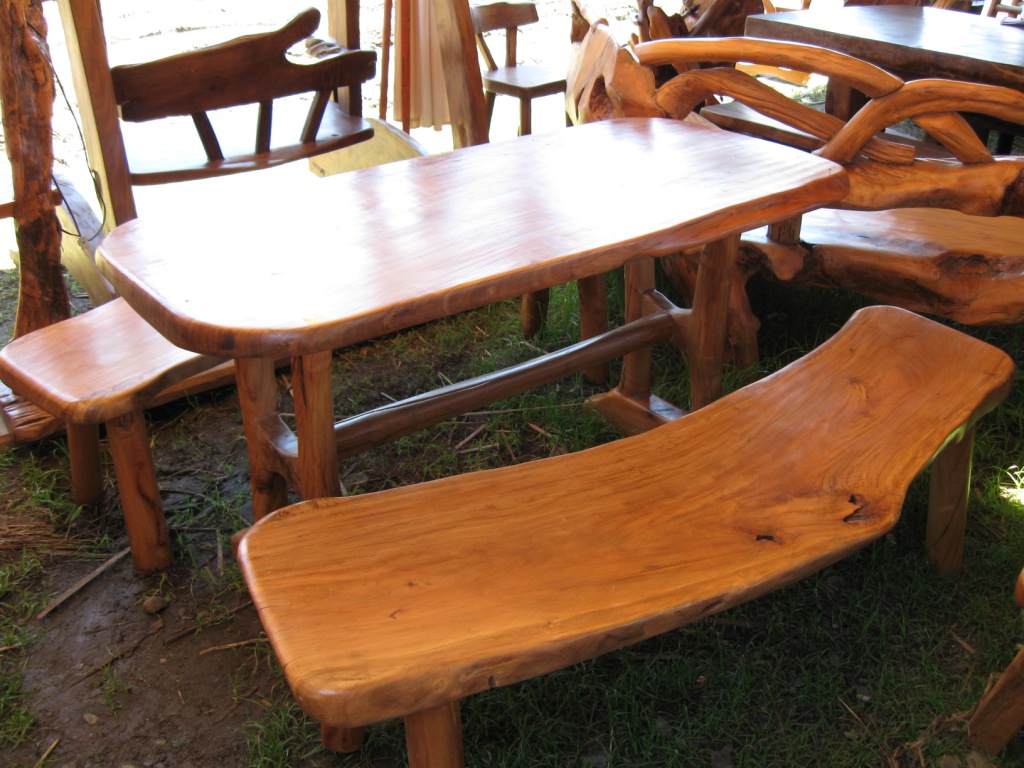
(104, 367)
(400, 603)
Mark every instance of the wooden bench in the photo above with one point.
(104, 367)
(400, 603)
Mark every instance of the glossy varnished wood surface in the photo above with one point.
(389, 247)
(390, 603)
(920, 41)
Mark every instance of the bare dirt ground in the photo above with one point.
(110, 680)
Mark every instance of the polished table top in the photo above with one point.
(919, 41)
(386, 248)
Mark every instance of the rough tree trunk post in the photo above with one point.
(26, 89)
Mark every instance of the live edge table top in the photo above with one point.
(386, 248)
(910, 40)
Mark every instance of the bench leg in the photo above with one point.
(433, 737)
(140, 496)
(1001, 713)
(84, 451)
(947, 504)
(341, 739)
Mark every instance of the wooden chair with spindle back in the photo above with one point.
(524, 82)
(213, 85)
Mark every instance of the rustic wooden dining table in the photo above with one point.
(387, 248)
(911, 41)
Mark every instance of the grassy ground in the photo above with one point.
(875, 661)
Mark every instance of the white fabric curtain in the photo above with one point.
(428, 105)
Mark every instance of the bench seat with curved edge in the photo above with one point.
(940, 235)
(105, 366)
(400, 603)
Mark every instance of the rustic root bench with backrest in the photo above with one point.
(934, 227)
(400, 603)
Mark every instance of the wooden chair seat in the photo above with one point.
(399, 603)
(527, 80)
(183, 157)
(106, 366)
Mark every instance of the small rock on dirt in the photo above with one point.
(153, 605)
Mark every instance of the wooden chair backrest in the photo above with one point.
(256, 69)
(463, 81)
(501, 16)
(249, 70)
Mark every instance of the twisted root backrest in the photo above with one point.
(607, 80)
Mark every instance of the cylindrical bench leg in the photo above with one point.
(433, 737)
(341, 739)
(947, 504)
(139, 492)
(86, 473)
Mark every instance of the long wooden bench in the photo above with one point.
(400, 603)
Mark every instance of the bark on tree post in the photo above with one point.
(26, 91)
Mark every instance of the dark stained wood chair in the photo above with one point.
(524, 82)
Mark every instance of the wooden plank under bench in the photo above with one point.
(400, 603)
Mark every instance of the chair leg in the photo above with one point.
(489, 98)
(525, 118)
(84, 451)
(433, 737)
(140, 495)
(947, 504)
(1001, 713)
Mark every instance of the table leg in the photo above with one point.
(314, 426)
(706, 350)
(631, 406)
(841, 100)
(257, 394)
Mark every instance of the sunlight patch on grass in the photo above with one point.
(1015, 490)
